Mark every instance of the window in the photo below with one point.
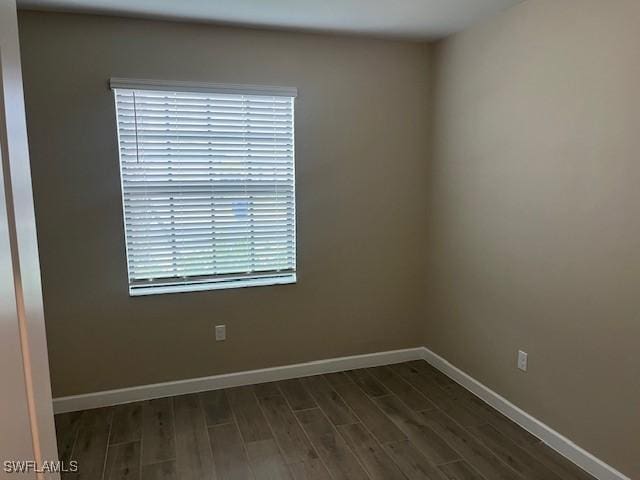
(208, 185)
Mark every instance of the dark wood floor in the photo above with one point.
(405, 421)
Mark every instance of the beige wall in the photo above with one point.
(361, 116)
(534, 215)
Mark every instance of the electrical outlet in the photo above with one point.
(522, 360)
(221, 333)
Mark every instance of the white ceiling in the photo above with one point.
(415, 19)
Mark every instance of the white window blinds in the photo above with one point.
(208, 186)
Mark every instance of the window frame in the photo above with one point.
(212, 282)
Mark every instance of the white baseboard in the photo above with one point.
(553, 439)
(193, 385)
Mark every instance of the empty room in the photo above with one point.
(320, 240)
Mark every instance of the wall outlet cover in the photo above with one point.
(523, 360)
(221, 332)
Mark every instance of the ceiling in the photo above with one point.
(412, 19)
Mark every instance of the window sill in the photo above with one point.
(140, 291)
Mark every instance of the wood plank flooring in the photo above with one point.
(404, 421)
